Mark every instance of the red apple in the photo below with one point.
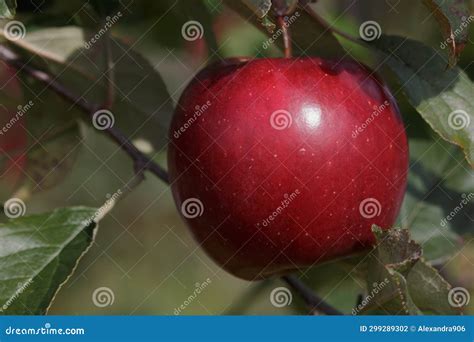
(13, 136)
(280, 164)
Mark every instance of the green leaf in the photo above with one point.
(399, 281)
(339, 282)
(259, 7)
(308, 36)
(454, 19)
(46, 131)
(37, 255)
(7, 9)
(439, 198)
(442, 97)
(142, 107)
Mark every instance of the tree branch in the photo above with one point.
(141, 161)
(313, 302)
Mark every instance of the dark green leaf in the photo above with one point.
(43, 132)
(399, 281)
(142, 107)
(439, 203)
(7, 9)
(454, 19)
(444, 98)
(37, 255)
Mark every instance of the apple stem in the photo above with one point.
(315, 303)
(286, 36)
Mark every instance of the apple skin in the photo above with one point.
(241, 168)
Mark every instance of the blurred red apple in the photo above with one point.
(280, 164)
(13, 136)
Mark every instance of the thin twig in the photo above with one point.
(315, 304)
(141, 161)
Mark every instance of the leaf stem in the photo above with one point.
(286, 36)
